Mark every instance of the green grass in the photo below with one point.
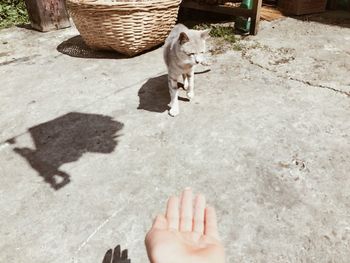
(12, 12)
(227, 33)
(222, 33)
(237, 46)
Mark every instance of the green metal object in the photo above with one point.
(243, 23)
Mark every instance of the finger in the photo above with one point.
(108, 256)
(211, 227)
(172, 213)
(186, 210)
(116, 254)
(199, 211)
(124, 254)
(160, 223)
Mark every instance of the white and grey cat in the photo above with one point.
(183, 49)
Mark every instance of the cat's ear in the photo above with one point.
(205, 34)
(183, 38)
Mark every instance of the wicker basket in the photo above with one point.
(127, 27)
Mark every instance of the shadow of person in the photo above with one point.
(154, 94)
(76, 47)
(66, 139)
(116, 256)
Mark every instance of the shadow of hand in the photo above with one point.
(116, 256)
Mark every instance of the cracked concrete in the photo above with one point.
(266, 139)
(311, 53)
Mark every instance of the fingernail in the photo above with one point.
(188, 188)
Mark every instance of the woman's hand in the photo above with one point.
(186, 234)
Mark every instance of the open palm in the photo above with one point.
(186, 234)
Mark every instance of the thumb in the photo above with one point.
(160, 223)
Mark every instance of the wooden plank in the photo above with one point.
(256, 18)
(270, 14)
(46, 15)
(222, 9)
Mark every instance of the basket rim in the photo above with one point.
(104, 4)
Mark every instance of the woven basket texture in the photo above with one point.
(129, 27)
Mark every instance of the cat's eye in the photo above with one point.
(190, 54)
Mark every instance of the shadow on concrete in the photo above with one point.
(26, 26)
(18, 60)
(334, 18)
(116, 256)
(76, 47)
(66, 139)
(154, 94)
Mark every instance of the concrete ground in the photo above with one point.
(88, 153)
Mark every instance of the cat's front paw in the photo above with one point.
(186, 84)
(190, 95)
(174, 111)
